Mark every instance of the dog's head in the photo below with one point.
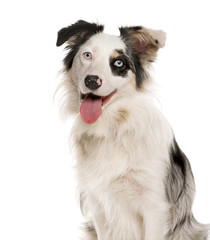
(100, 66)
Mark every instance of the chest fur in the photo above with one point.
(123, 166)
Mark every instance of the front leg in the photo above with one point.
(155, 222)
(96, 228)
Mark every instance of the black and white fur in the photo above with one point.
(135, 182)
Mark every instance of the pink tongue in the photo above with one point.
(90, 109)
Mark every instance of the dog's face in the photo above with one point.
(102, 65)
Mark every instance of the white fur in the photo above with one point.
(122, 179)
(208, 235)
(123, 158)
(99, 65)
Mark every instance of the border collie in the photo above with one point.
(135, 182)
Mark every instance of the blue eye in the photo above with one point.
(119, 63)
(87, 55)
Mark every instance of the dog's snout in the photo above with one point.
(93, 82)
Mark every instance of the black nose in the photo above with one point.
(93, 82)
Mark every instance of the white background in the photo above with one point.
(37, 186)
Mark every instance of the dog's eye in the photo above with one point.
(87, 55)
(119, 63)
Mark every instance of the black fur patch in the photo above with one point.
(140, 73)
(76, 30)
(120, 71)
(76, 35)
(177, 177)
(179, 158)
(180, 189)
(124, 30)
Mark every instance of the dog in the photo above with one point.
(135, 182)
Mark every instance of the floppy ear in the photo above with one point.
(77, 32)
(144, 42)
(76, 35)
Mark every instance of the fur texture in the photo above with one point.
(135, 182)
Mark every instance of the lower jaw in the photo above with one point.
(107, 98)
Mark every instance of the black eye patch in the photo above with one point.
(119, 63)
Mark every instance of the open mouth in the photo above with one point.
(104, 100)
(91, 106)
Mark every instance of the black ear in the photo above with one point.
(77, 32)
(144, 42)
